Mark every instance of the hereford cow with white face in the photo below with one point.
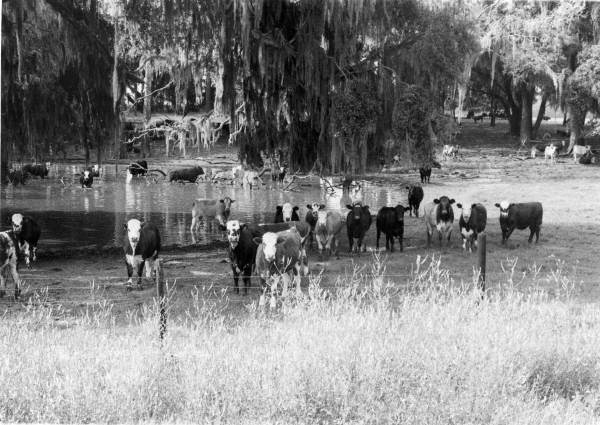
(86, 179)
(141, 244)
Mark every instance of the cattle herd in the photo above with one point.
(277, 252)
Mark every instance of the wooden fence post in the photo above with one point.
(481, 251)
(160, 292)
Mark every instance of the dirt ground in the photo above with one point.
(490, 168)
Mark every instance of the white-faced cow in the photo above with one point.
(141, 244)
(472, 221)
(520, 216)
(327, 231)
(279, 256)
(358, 222)
(439, 216)
(86, 179)
(242, 253)
(27, 233)
(8, 260)
(415, 196)
(287, 212)
(390, 220)
(210, 209)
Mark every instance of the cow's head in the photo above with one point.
(314, 208)
(269, 245)
(504, 206)
(234, 229)
(321, 217)
(445, 211)
(227, 201)
(465, 211)
(134, 228)
(86, 175)
(400, 212)
(287, 211)
(356, 208)
(17, 222)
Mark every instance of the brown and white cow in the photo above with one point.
(210, 209)
(327, 231)
(439, 216)
(141, 244)
(8, 260)
(279, 256)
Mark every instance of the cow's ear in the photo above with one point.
(125, 226)
(232, 201)
(257, 240)
(459, 205)
(296, 208)
(407, 187)
(322, 206)
(452, 201)
(222, 201)
(349, 206)
(309, 207)
(436, 201)
(222, 228)
(497, 205)
(472, 205)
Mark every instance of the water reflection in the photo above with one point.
(72, 216)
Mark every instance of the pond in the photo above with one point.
(74, 217)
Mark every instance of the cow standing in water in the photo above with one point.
(210, 209)
(358, 222)
(415, 196)
(141, 244)
(86, 179)
(439, 216)
(27, 233)
(520, 216)
(242, 253)
(8, 260)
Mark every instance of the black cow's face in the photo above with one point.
(504, 207)
(444, 208)
(356, 208)
(399, 212)
(227, 201)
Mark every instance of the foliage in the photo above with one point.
(411, 123)
(355, 109)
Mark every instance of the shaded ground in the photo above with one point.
(489, 169)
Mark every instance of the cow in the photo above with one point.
(311, 218)
(439, 216)
(139, 168)
(471, 222)
(279, 254)
(27, 233)
(550, 153)
(217, 209)
(358, 222)
(415, 196)
(286, 212)
(520, 216)
(390, 220)
(425, 170)
(86, 179)
(140, 244)
(94, 170)
(303, 230)
(478, 118)
(40, 170)
(327, 230)
(9, 260)
(241, 252)
(580, 150)
(186, 174)
(251, 178)
(449, 151)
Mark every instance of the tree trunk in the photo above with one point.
(147, 105)
(577, 114)
(514, 119)
(540, 116)
(225, 89)
(492, 111)
(526, 114)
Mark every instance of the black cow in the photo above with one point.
(186, 174)
(141, 244)
(520, 216)
(358, 222)
(27, 232)
(39, 170)
(415, 196)
(311, 218)
(86, 179)
(390, 220)
(17, 177)
(472, 221)
(425, 172)
(138, 168)
(242, 253)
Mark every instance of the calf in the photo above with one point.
(242, 253)
(439, 216)
(139, 168)
(415, 196)
(140, 244)
(279, 255)
(86, 179)
(186, 174)
(287, 212)
(472, 221)
(40, 170)
(302, 228)
(327, 231)
(311, 217)
(218, 209)
(520, 216)
(390, 220)
(358, 222)
(27, 233)
(580, 150)
(9, 260)
(550, 153)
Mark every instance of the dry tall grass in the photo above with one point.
(369, 353)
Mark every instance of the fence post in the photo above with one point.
(481, 251)
(160, 292)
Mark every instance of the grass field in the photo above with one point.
(432, 353)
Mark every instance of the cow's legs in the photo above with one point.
(537, 234)
(350, 242)
(2, 282)
(273, 302)
(401, 242)
(319, 245)
(508, 233)
(389, 242)
(25, 249)
(140, 270)
(236, 274)
(428, 238)
(377, 242)
(193, 228)
(34, 252)
(534, 231)
(247, 282)
(16, 279)
(129, 264)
